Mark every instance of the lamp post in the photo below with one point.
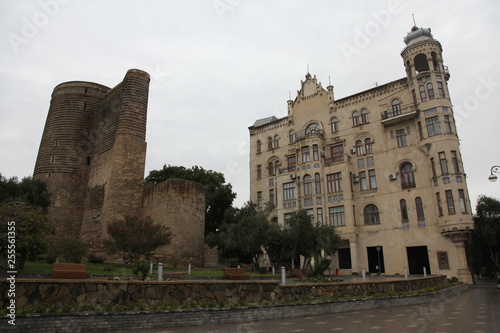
(494, 169)
(378, 253)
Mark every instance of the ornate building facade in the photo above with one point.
(92, 156)
(383, 166)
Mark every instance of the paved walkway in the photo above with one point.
(476, 311)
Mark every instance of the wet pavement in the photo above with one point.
(475, 311)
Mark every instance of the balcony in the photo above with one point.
(310, 133)
(396, 115)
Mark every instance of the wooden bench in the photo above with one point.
(69, 271)
(235, 274)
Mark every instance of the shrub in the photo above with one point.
(320, 267)
(69, 249)
(232, 262)
(141, 267)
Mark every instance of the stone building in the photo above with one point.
(383, 166)
(92, 155)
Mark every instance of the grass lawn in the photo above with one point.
(116, 269)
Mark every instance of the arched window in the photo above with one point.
(271, 168)
(291, 136)
(420, 209)
(307, 185)
(430, 90)
(317, 183)
(421, 63)
(276, 141)
(359, 148)
(371, 214)
(368, 146)
(407, 177)
(335, 125)
(355, 118)
(396, 107)
(259, 146)
(269, 143)
(364, 116)
(423, 96)
(404, 210)
(313, 129)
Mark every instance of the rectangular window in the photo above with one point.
(447, 124)
(259, 171)
(420, 132)
(373, 180)
(443, 163)
(289, 191)
(454, 161)
(440, 89)
(401, 136)
(315, 152)
(337, 153)
(306, 155)
(319, 215)
(362, 181)
(291, 163)
(271, 197)
(449, 202)
(310, 213)
(370, 162)
(443, 260)
(433, 166)
(259, 199)
(439, 203)
(361, 163)
(463, 205)
(287, 218)
(337, 217)
(433, 126)
(334, 182)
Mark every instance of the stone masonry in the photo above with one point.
(92, 156)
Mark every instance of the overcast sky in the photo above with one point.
(216, 66)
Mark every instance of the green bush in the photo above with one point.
(320, 267)
(141, 268)
(232, 262)
(68, 249)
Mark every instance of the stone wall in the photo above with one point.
(98, 322)
(180, 205)
(105, 293)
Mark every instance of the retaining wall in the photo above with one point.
(105, 293)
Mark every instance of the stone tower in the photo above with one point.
(92, 156)
(427, 79)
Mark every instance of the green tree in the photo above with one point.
(32, 229)
(29, 191)
(70, 249)
(218, 195)
(485, 238)
(242, 233)
(136, 236)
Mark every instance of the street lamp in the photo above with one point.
(378, 253)
(494, 169)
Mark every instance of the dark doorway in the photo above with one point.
(345, 258)
(376, 259)
(418, 258)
